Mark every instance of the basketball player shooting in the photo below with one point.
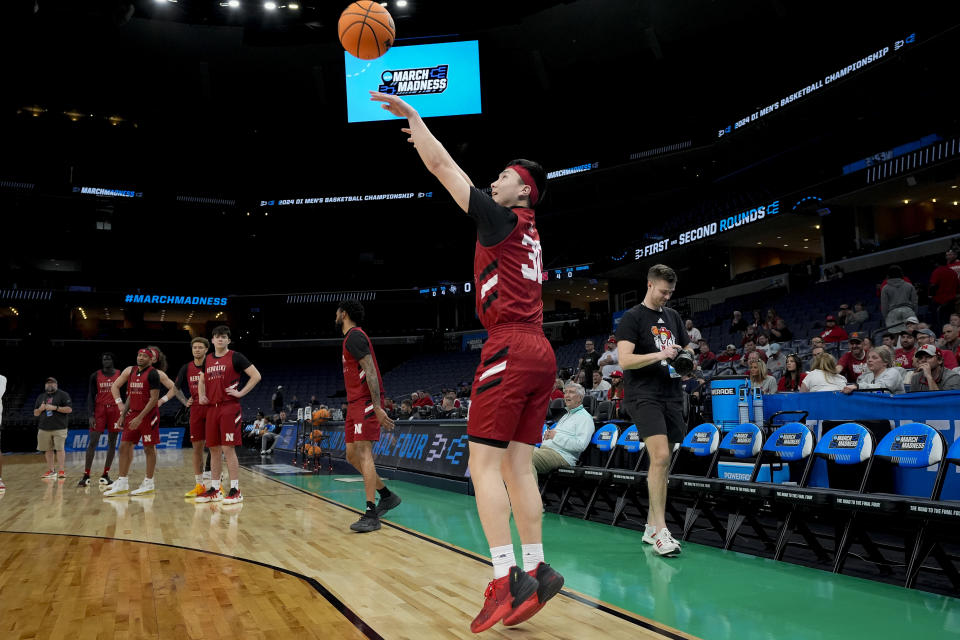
(512, 385)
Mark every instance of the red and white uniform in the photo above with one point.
(139, 385)
(512, 385)
(106, 413)
(224, 413)
(360, 422)
(191, 373)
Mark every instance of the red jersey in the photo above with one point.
(904, 358)
(356, 345)
(851, 368)
(222, 373)
(946, 282)
(193, 379)
(104, 382)
(139, 385)
(508, 276)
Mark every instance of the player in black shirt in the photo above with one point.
(650, 334)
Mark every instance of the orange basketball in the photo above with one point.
(366, 29)
(320, 416)
(316, 435)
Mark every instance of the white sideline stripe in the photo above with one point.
(489, 284)
(497, 368)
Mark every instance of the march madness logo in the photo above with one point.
(662, 338)
(414, 82)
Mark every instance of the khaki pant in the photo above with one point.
(51, 440)
(546, 460)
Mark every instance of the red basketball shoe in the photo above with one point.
(516, 591)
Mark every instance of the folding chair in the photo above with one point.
(744, 443)
(693, 462)
(604, 411)
(849, 445)
(791, 444)
(627, 456)
(598, 456)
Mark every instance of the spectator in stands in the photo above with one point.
(406, 410)
(898, 299)
(277, 401)
(692, 332)
(955, 320)
(751, 347)
(831, 332)
(557, 392)
(295, 403)
(860, 315)
(706, 359)
(254, 431)
(737, 324)
(314, 401)
(422, 399)
(757, 321)
(952, 258)
(944, 286)
(448, 408)
(760, 379)
(815, 352)
(793, 374)
(776, 362)
(750, 335)
(889, 340)
(908, 347)
(927, 336)
(823, 375)
(951, 339)
(691, 385)
(780, 332)
(770, 321)
(881, 373)
(615, 394)
(844, 315)
(563, 444)
(268, 439)
(588, 363)
(728, 357)
(930, 374)
(600, 387)
(609, 360)
(853, 363)
(763, 344)
(867, 343)
(816, 341)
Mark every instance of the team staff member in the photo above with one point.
(650, 334)
(52, 407)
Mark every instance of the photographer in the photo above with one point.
(649, 338)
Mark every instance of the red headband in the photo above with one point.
(527, 180)
(146, 351)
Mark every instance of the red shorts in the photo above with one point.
(198, 422)
(361, 422)
(149, 428)
(223, 424)
(512, 385)
(106, 416)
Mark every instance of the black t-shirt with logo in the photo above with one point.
(650, 331)
(53, 420)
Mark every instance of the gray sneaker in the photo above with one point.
(386, 504)
(368, 522)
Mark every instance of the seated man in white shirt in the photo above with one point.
(563, 444)
(609, 361)
(600, 387)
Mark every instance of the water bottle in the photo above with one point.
(757, 407)
(742, 407)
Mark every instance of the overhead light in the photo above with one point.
(933, 200)
(806, 247)
(953, 186)
(383, 4)
(269, 6)
(906, 201)
(806, 239)
(954, 203)
(786, 245)
(233, 4)
(293, 6)
(816, 226)
(401, 3)
(759, 243)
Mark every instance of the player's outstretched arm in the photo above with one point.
(437, 160)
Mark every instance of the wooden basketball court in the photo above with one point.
(284, 563)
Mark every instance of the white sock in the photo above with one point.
(206, 475)
(532, 556)
(502, 560)
(198, 479)
(215, 484)
(235, 484)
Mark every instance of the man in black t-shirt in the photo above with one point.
(649, 335)
(589, 362)
(52, 407)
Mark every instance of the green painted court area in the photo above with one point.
(706, 592)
